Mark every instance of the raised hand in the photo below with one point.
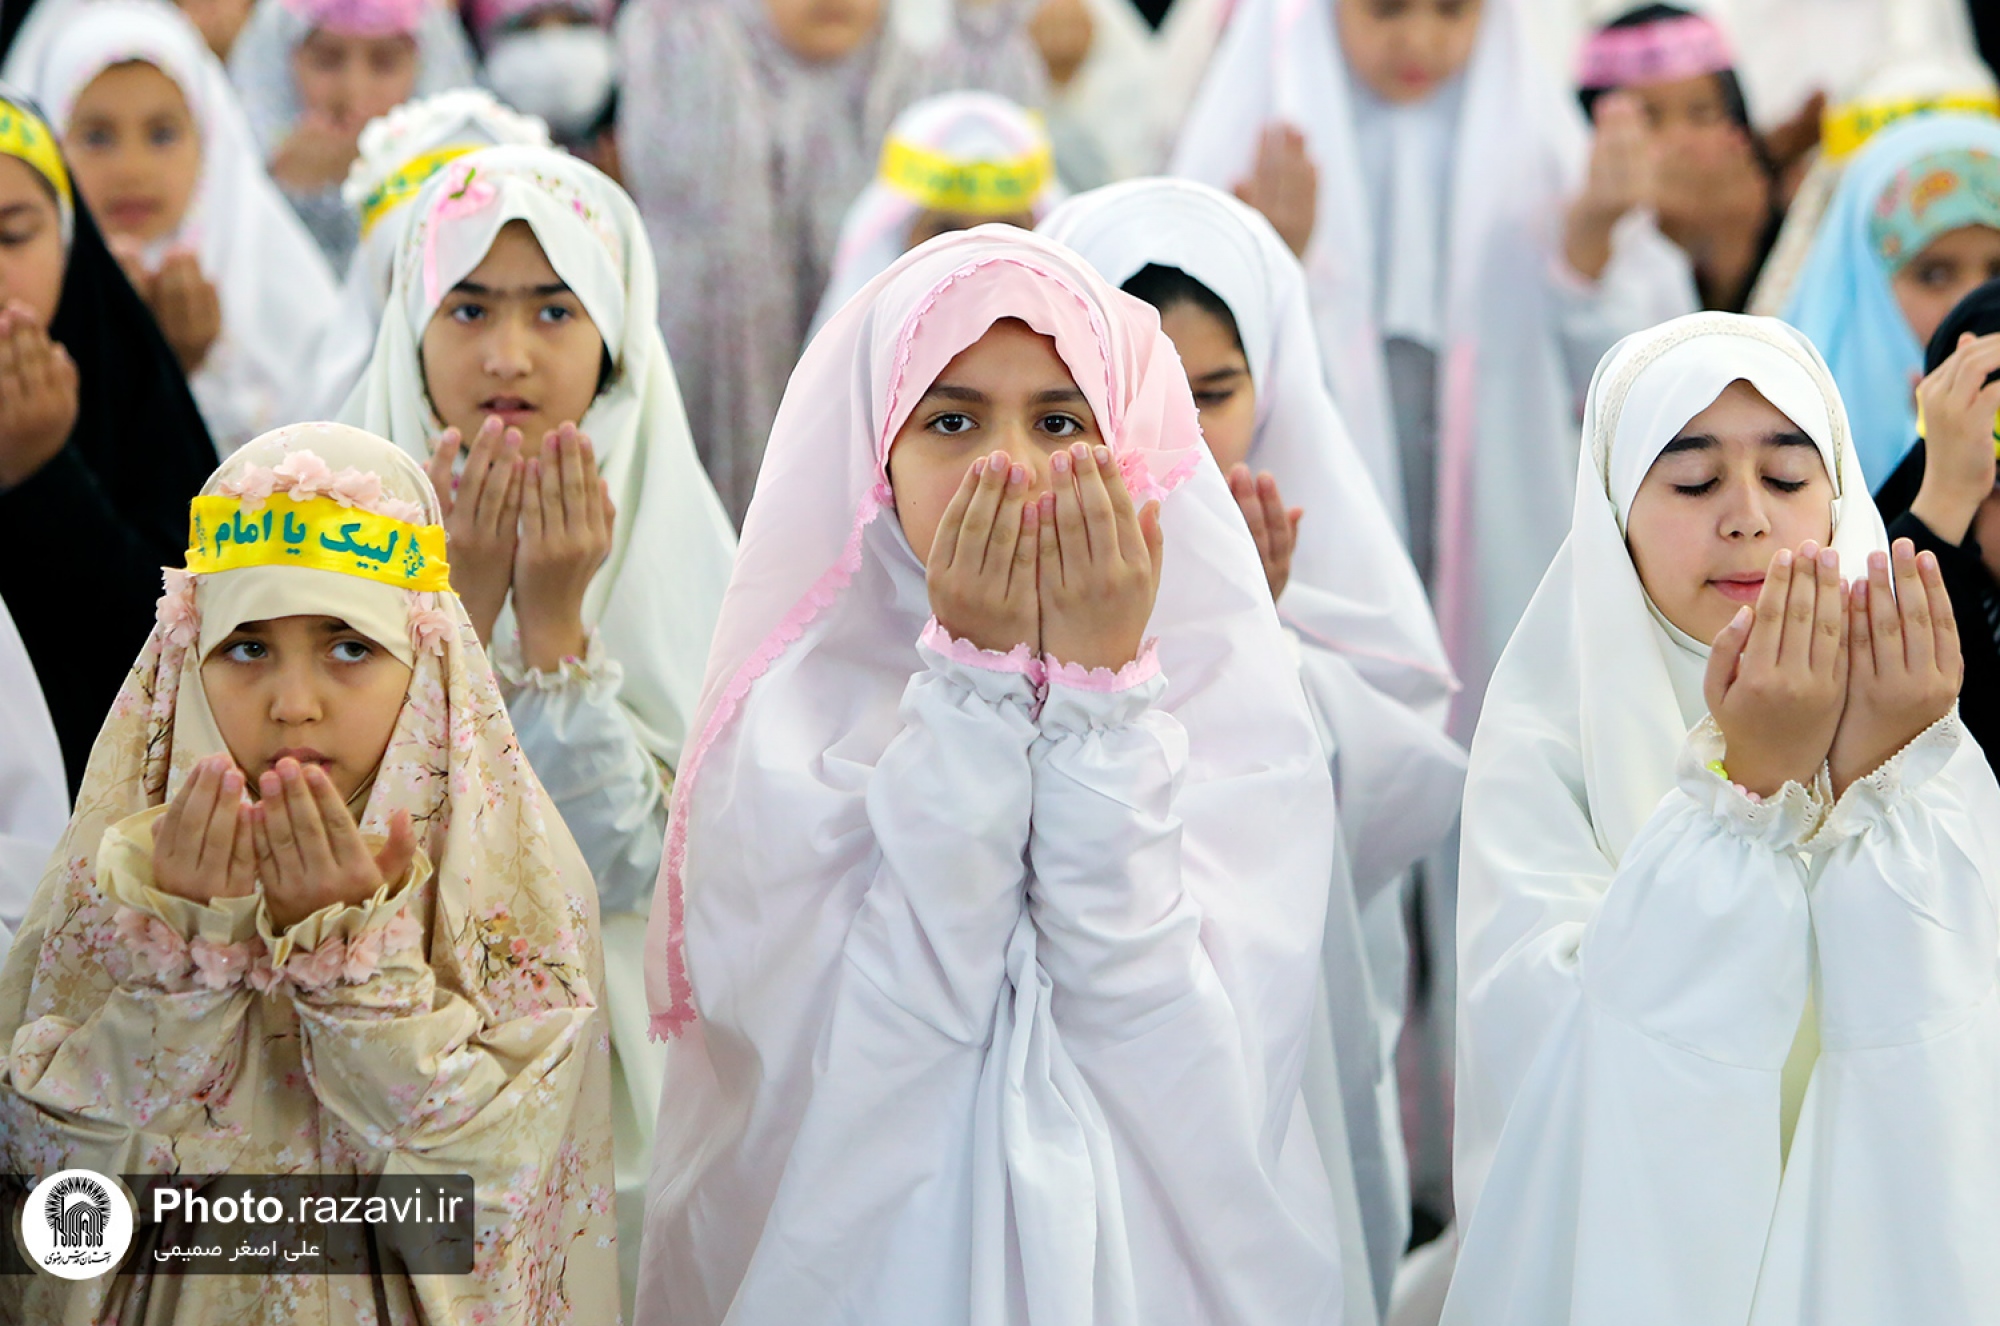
(1959, 408)
(1275, 529)
(315, 154)
(1624, 161)
(1777, 677)
(1100, 561)
(981, 574)
(310, 853)
(185, 304)
(38, 395)
(566, 523)
(1284, 185)
(204, 845)
(482, 517)
(1904, 669)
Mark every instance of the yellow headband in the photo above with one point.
(937, 183)
(318, 533)
(23, 135)
(1843, 129)
(403, 184)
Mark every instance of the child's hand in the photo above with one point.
(1275, 529)
(566, 523)
(38, 395)
(186, 306)
(316, 154)
(1623, 165)
(204, 845)
(981, 574)
(1062, 31)
(309, 852)
(1100, 562)
(1284, 186)
(1959, 407)
(1777, 678)
(482, 517)
(1904, 670)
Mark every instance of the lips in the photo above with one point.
(1739, 590)
(303, 754)
(509, 409)
(129, 213)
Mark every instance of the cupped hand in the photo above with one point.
(1100, 561)
(1960, 408)
(204, 845)
(1777, 676)
(1624, 164)
(1284, 185)
(1905, 667)
(482, 517)
(1274, 529)
(315, 154)
(187, 307)
(310, 854)
(981, 573)
(38, 395)
(566, 524)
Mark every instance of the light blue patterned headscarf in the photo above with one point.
(1912, 183)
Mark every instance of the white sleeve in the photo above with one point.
(604, 782)
(1648, 280)
(1888, 1210)
(1622, 1038)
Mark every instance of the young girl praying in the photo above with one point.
(520, 360)
(1470, 254)
(985, 938)
(1232, 299)
(313, 73)
(1913, 228)
(1729, 1033)
(101, 445)
(745, 130)
(315, 915)
(163, 154)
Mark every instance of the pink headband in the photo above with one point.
(1673, 48)
(363, 18)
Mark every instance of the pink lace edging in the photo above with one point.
(1020, 659)
(304, 476)
(173, 961)
(1104, 681)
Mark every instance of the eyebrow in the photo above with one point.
(952, 391)
(1223, 374)
(1706, 441)
(531, 291)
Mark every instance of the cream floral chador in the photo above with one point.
(451, 1024)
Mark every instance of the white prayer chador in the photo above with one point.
(276, 291)
(1442, 222)
(399, 152)
(1638, 938)
(1368, 649)
(1003, 970)
(34, 797)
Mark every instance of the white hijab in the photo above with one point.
(399, 152)
(1440, 221)
(34, 798)
(276, 291)
(1595, 695)
(655, 599)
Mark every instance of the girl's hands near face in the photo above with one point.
(1905, 669)
(1284, 186)
(981, 574)
(1100, 562)
(204, 845)
(566, 523)
(38, 395)
(309, 852)
(185, 304)
(1777, 677)
(1275, 529)
(316, 154)
(1623, 166)
(482, 517)
(1959, 408)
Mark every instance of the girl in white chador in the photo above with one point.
(984, 924)
(1233, 300)
(1729, 1036)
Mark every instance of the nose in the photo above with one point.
(508, 350)
(295, 698)
(1746, 513)
(1027, 449)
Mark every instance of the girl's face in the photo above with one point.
(1739, 482)
(31, 252)
(1404, 49)
(1945, 271)
(1008, 391)
(821, 31)
(1219, 376)
(135, 150)
(310, 687)
(219, 21)
(512, 340)
(350, 80)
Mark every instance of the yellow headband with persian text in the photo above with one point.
(25, 136)
(319, 534)
(404, 182)
(1844, 129)
(937, 183)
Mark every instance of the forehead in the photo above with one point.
(516, 252)
(1009, 354)
(139, 85)
(1702, 89)
(22, 184)
(1741, 411)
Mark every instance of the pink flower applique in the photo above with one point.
(404, 931)
(396, 508)
(364, 955)
(320, 967)
(430, 626)
(262, 976)
(178, 617)
(253, 485)
(463, 194)
(219, 966)
(352, 487)
(305, 476)
(154, 943)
